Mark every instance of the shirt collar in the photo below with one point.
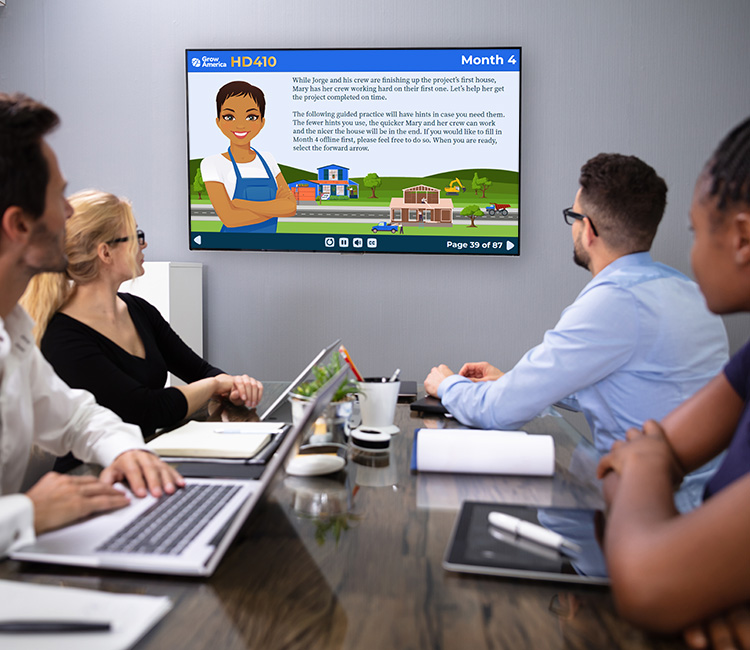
(626, 261)
(633, 259)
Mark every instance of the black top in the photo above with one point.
(130, 386)
(736, 463)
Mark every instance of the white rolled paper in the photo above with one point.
(474, 451)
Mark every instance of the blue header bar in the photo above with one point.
(345, 60)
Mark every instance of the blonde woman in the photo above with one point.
(117, 345)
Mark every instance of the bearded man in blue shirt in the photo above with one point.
(637, 342)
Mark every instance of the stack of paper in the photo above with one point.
(129, 616)
(475, 451)
(238, 440)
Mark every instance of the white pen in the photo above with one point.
(533, 532)
(395, 375)
(524, 544)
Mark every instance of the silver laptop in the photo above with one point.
(299, 379)
(186, 533)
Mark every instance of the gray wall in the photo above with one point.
(662, 80)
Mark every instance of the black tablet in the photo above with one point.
(478, 547)
(429, 404)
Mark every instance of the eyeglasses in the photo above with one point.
(138, 233)
(571, 216)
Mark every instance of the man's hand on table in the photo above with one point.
(476, 371)
(436, 375)
(480, 371)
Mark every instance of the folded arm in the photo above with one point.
(241, 212)
(669, 571)
(703, 426)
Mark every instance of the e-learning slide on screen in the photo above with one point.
(378, 151)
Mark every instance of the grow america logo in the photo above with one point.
(208, 62)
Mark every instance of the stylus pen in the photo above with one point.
(524, 544)
(395, 375)
(44, 627)
(533, 532)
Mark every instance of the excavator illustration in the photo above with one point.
(455, 187)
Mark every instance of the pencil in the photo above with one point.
(348, 359)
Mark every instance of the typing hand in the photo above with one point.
(144, 473)
(436, 375)
(647, 446)
(480, 371)
(61, 499)
(727, 631)
(246, 390)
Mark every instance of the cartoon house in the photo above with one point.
(422, 206)
(333, 181)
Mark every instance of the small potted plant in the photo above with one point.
(333, 425)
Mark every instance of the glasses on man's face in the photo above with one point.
(571, 216)
(138, 233)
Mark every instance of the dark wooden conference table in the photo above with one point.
(354, 561)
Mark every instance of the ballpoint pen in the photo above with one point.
(47, 627)
(348, 359)
(395, 375)
(533, 532)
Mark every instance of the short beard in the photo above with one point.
(580, 257)
(56, 261)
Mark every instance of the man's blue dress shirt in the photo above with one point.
(636, 343)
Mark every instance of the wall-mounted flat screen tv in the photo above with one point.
(355, 150)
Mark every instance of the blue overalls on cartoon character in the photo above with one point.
(254, 189)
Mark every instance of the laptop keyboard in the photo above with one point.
(171, 523)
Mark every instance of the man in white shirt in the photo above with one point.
(36, 406)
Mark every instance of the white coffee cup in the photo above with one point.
(377, 401)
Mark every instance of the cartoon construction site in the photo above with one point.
(421, 205)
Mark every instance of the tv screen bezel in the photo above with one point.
(465, 252)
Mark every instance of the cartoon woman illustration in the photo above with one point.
(246, 188)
